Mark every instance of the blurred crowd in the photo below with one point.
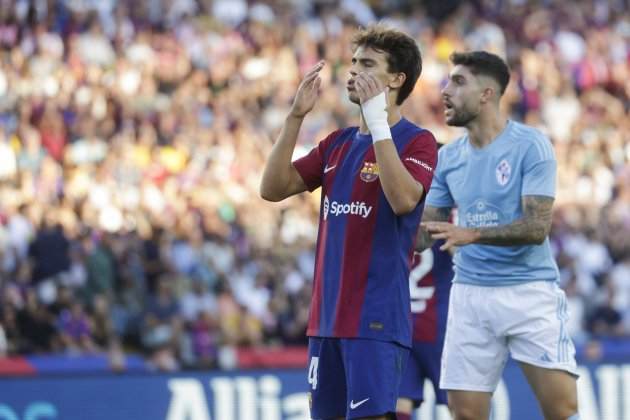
(133, 135)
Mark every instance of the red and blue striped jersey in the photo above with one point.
(364, 250)
(430, 282)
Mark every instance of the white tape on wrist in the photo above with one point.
(376, 117)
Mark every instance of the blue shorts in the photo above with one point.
(354, 377)
(424, 363)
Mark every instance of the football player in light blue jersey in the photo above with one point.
(505, 299)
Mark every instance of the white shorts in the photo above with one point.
(528, 321)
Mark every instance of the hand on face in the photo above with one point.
(367, 86)
(308, 92)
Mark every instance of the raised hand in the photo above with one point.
(308, 92)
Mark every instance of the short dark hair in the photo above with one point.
(482, 62)
(403, 54)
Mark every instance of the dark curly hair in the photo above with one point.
(403, 54)
(482, 62)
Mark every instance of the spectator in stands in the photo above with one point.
(76, 329)
(49, 252)
(204, 338)
(35, 326)
(606, 321)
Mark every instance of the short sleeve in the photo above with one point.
(311, 166)
(420, 158)
(539, 169)
(440, 195)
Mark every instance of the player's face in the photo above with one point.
(461, 97)
(370, 61)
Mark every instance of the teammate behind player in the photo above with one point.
(373, 178)
(505, 298)
(429, 288)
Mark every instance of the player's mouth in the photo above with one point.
(449, 109)
(350, 86)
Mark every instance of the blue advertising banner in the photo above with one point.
(604, 393)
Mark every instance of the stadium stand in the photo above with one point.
(133, 133)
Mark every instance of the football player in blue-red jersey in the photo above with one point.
(374, 178)
(430, 286)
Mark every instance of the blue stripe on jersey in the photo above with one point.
(387, 236)
(331, 267)
(340, 192)
(343, 136)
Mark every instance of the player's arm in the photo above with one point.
(402, 191)
(280, 179)
(430, 214)
(531, 229)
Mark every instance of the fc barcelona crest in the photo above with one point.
(369, 172)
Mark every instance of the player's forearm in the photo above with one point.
(402, 191)
(276, 177)
(524, 231)
(532, 229)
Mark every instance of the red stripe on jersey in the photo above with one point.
(311, 166)
(425, 324)
(419, 157)
(316, 301)
(335, 157)
(356, 258)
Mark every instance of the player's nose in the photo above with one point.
(445, 90)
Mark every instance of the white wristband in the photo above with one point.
(375, 114)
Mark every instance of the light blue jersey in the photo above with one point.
(486, 185)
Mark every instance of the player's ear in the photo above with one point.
(488, 94)
(397, 80)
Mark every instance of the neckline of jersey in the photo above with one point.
(498, 139)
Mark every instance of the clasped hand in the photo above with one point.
(453, 235)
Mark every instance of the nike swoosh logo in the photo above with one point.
(329, 168)
(354, 405)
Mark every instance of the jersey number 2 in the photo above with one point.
(419, 295)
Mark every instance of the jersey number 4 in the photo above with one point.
(420, 294)
(312, 372)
